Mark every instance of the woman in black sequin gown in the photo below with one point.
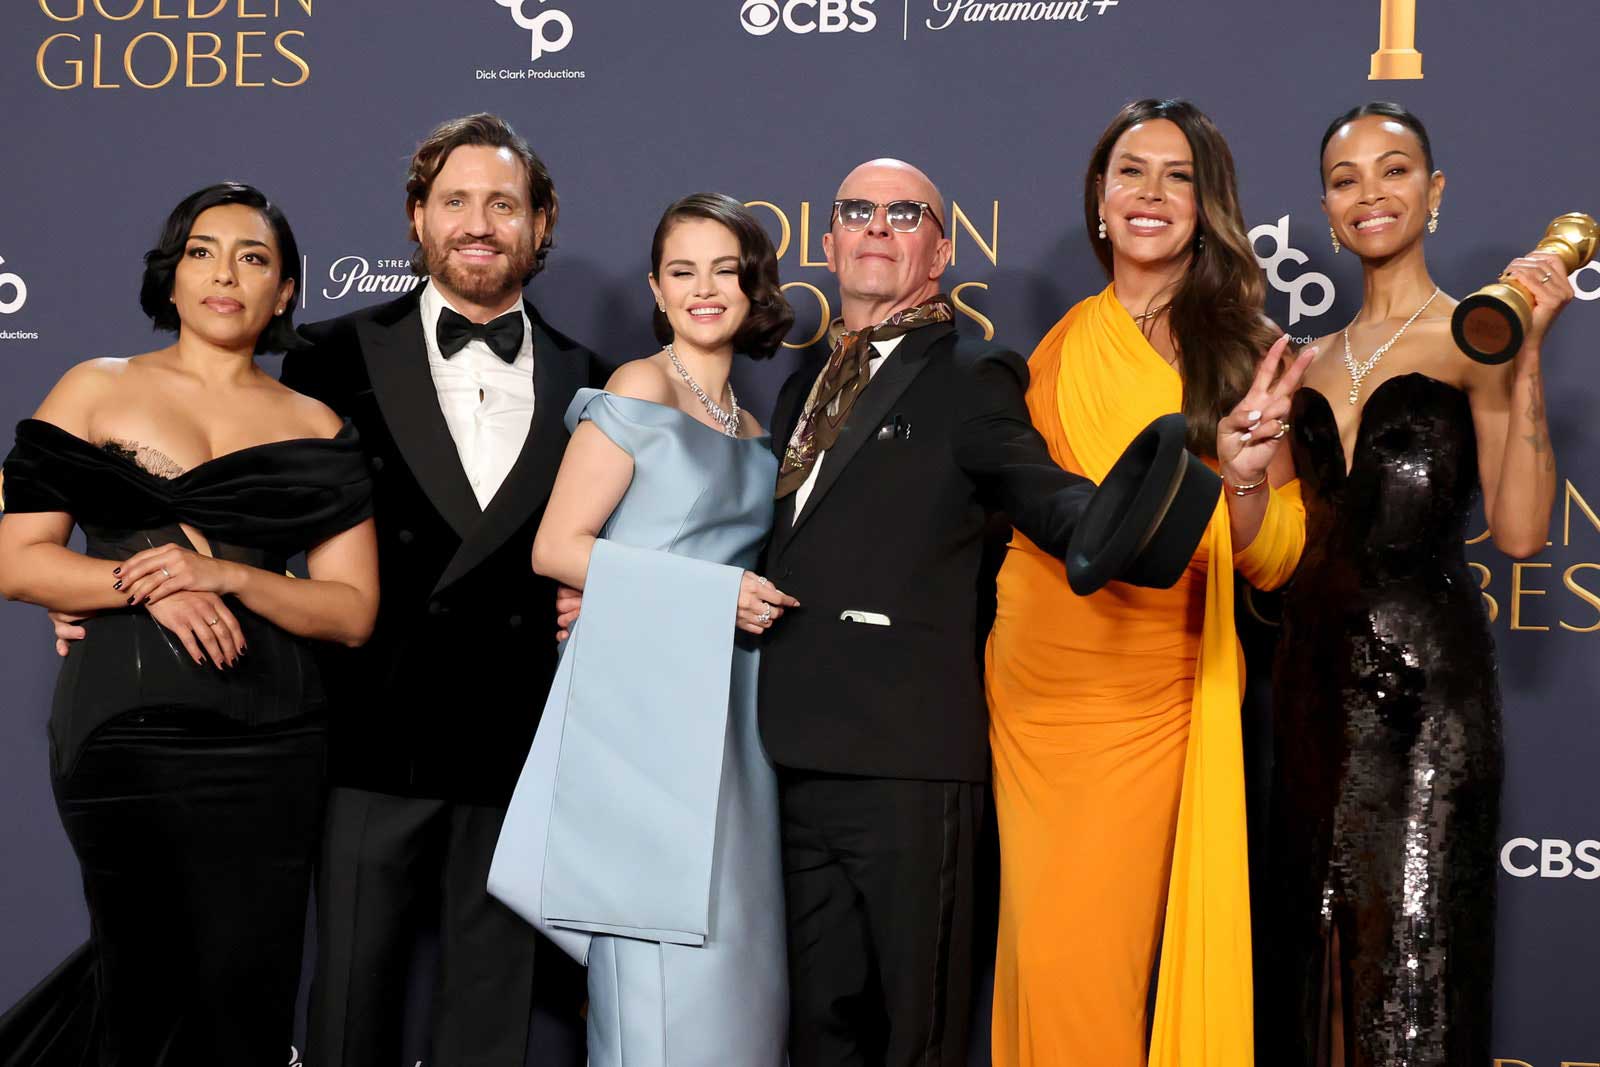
(187, 732)
(1376, 926)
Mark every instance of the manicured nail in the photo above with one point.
(1245, 437)
(1253, 416)
(117, 584)
(116, 570)
(130, 601)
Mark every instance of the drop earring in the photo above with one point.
(661, 306)
(1101, 233)
(1433, 221)
(1335, 239)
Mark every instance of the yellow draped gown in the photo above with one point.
(1114, 721)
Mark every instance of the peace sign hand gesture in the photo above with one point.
(1250, 435)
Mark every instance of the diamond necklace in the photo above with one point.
(1359, 371)
(728, 420)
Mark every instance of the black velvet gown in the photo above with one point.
(1380, 859)
(192, 796)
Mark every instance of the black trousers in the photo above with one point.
(197, 836)
(393, 867)
(879, 879)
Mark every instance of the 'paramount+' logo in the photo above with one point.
(761, 17)
(1299, 306)
(1523, 857)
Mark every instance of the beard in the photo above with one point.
(488, 284)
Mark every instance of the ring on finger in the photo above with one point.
(1283, 428)
(214, 621)
(765, 618)
(166, 572)
(761, 580)
(1545, 277)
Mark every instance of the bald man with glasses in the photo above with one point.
(895, 447)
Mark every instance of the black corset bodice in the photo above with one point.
(1408, 496)
(258, 506)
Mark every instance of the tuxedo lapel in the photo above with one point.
(898, 371)
(397, 365)
(556, 377)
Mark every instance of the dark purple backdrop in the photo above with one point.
(772, 102)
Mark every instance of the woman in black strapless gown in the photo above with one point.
(186, 734)
(1375, 926)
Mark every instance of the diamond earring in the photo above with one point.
(1433, 221)
(1335, 238)
(661, 305)
(1102, 231)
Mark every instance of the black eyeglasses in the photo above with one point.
(903, 216)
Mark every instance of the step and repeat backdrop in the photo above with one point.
(115, 109)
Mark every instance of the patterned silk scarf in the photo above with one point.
(847, 373)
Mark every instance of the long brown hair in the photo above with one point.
(1217, 316)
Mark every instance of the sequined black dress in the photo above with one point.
(1388, 761)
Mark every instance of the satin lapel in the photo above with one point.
(397, 364)
(783, 423)
(899, 370)
(556, 377)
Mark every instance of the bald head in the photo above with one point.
(878, 175)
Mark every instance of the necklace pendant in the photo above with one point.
(1355, 394)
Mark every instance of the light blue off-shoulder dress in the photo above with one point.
(643, 835)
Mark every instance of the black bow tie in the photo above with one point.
(503, 335)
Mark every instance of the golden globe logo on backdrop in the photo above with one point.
(189, 44)
(800, 231)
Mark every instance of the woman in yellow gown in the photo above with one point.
(1118, 774)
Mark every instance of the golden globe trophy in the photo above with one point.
(1490, 324)
(1397, 55)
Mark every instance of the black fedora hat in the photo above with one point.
(1147, 517)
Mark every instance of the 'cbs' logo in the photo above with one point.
(1555, 858)
(541, 26)
(1273, 264)
(17, 288)
(761, 17)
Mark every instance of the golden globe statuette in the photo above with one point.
(1397, 55)
(1490, 324)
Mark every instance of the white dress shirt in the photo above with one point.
(487, 402)
(882, 348)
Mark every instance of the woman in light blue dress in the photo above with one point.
(643, 836)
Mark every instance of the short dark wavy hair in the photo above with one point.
(764, 329)
(161, 262)
(481, 130)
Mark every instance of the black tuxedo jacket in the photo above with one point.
(443, 700)
(894, 526)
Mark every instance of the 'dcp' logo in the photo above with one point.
(1273, 265)
(18, 289)
(541, 26)
(761, 17)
